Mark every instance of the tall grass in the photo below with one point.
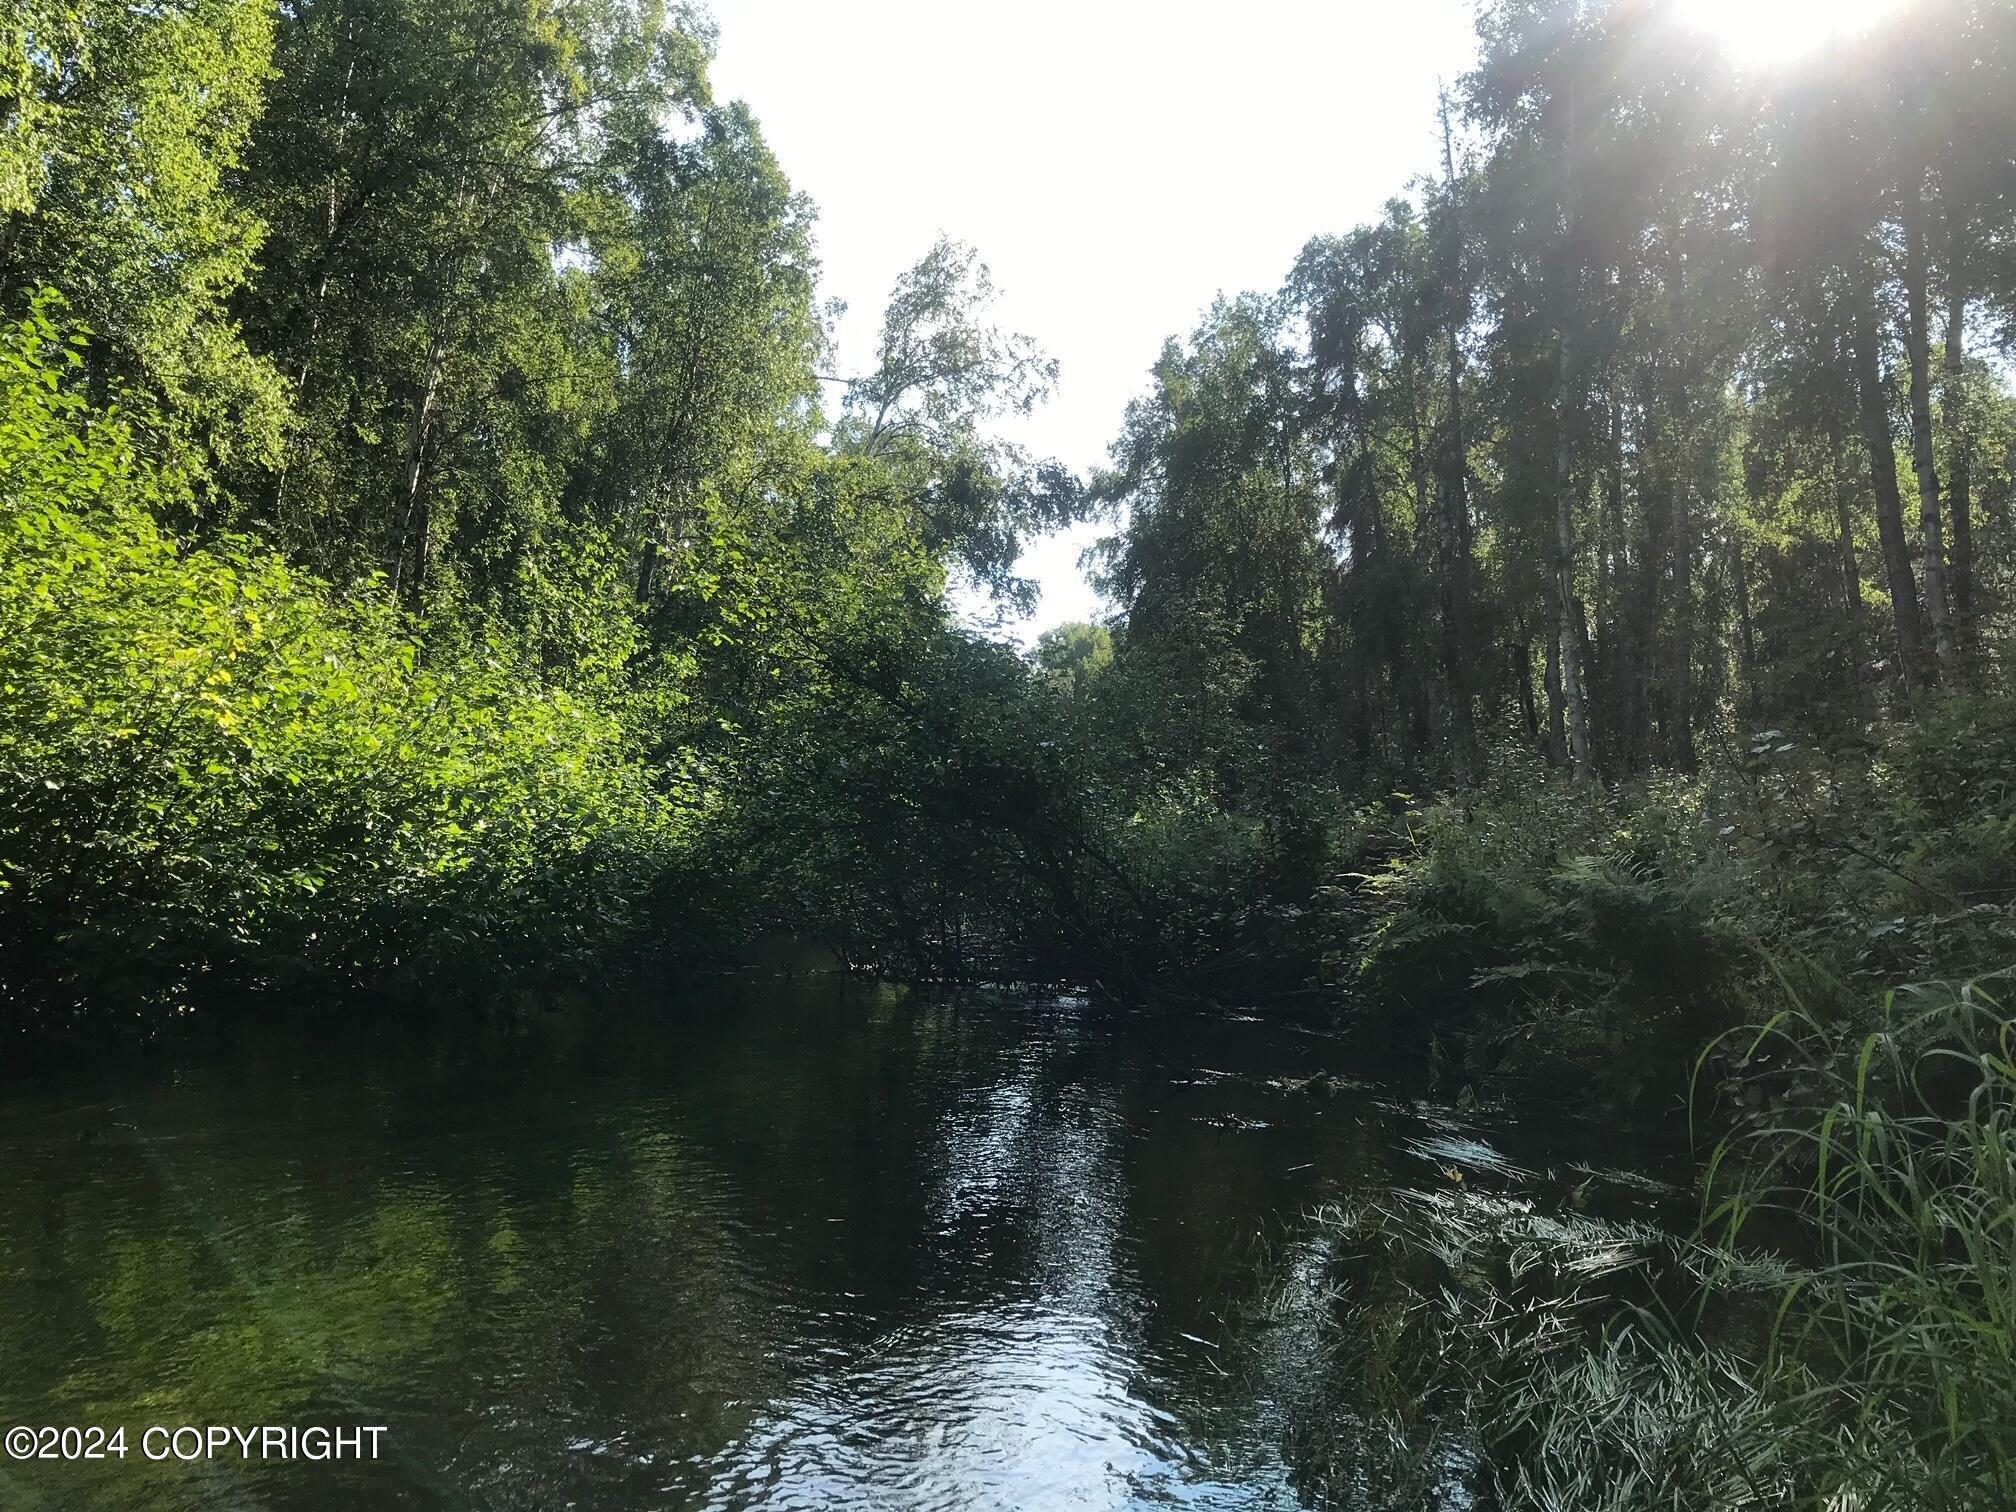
(1871, 1202)
(1892, 1355)
(1839, 1335)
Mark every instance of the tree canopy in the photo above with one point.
(1670, 407)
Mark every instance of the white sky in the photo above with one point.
(1117, 162)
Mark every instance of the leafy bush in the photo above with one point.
(1897, 863)
(208, 768)
(1538, 926)
(1543, 927)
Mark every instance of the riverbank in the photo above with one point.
(1591, 942)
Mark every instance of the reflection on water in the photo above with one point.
(776, 1249)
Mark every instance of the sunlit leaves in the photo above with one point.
(200, 747)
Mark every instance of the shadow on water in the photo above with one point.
(767, 1246)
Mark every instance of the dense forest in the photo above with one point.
(1566, 621)
(424, 533)
(433, 525)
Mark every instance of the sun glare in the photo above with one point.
(1773, 31)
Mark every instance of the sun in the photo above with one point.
(1775, 31)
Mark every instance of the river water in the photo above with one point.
(758, 1246)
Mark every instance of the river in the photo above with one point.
(752, 1245)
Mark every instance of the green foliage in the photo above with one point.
(518, 591)
(472, 210)
(1539, 928)
(1866, 1228)
(1893, 1360)
(1948, 784)
(211, 770)
(912, 806)
(122, 127)
(436, 571)
(1219, 566)
(942, 375)
(494, 334)
(1071, 656)
(1851, 1334)
(1886, 864)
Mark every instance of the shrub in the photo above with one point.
(210, 769)
(1545, 928)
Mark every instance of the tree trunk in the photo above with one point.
(416, 451)
(343, 116)
(1746, 671)
(1585, 654)
(1647, 612)
(1437, 696)
(1455, 487)
(1851, 570)
(1603, 662)
(1573, 700)
(1420, 720)
(1520, 654)
(1572, 690)
(1917, 344)
(647, 572)
(1557, 724)
(1960, 438)
(1361, 731)
(1680, 650)
(1873, 409)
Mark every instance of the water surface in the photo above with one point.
(758, 1247)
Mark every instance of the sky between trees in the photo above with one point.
(1099, 153)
